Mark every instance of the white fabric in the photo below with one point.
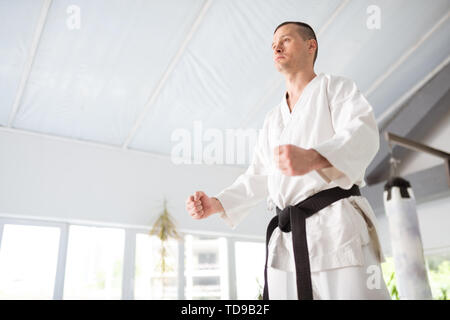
(407, 248)
(93, 83)
(350, 283)
(17, 20)
(334, 118)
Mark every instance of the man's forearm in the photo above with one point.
(319, 161)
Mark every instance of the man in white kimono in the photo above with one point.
(320, 138)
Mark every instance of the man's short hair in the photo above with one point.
(305, 31)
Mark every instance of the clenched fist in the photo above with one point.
(296, 161)
(200, 206)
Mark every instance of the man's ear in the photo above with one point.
(312, 45)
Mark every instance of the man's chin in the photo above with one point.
(281, 68)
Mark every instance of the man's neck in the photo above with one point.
(295, 83)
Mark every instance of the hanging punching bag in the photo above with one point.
(406, 242)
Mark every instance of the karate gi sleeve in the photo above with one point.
(249, 188)
(356, 139)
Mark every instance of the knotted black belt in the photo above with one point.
(293, 218)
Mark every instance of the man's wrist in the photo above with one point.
(319, 161)
(217, 205)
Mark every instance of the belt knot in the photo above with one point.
(284, 218)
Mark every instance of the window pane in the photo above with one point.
(28, 260)
(149, 282)
(438, 269)
(388, 270)
(206, 268)
(250, 258)
(439, 275)
(94, 263)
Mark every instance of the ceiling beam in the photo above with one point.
(93, 144)
(390, 113)
(416, 146)
(416, 118)
(29, 62)
(420, 147)
(166, 74)
(420, 131)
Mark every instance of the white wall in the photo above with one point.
(44, 177)
(53, 178)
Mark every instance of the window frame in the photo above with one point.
(129, 253)
(62, 246)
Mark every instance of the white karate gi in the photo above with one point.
(332, 117)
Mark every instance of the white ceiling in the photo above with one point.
(137, 70)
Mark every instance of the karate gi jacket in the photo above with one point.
(334, 118)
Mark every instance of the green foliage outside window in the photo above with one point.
(438, 276)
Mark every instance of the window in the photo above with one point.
(206, 259)
(439, 275)
(94, 263)
(438, 270)
(89, 264)
(388, 271)
(150, 283)
(250, 259)
(206, 268)
(28, 260)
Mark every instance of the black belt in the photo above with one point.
(294, 218)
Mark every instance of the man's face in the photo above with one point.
(290, 52)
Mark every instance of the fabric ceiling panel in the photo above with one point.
(226, 69)
(91, 82)
(258, 114)
(18, 21)
(95, 82)
(350, 49)
(414, 69)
